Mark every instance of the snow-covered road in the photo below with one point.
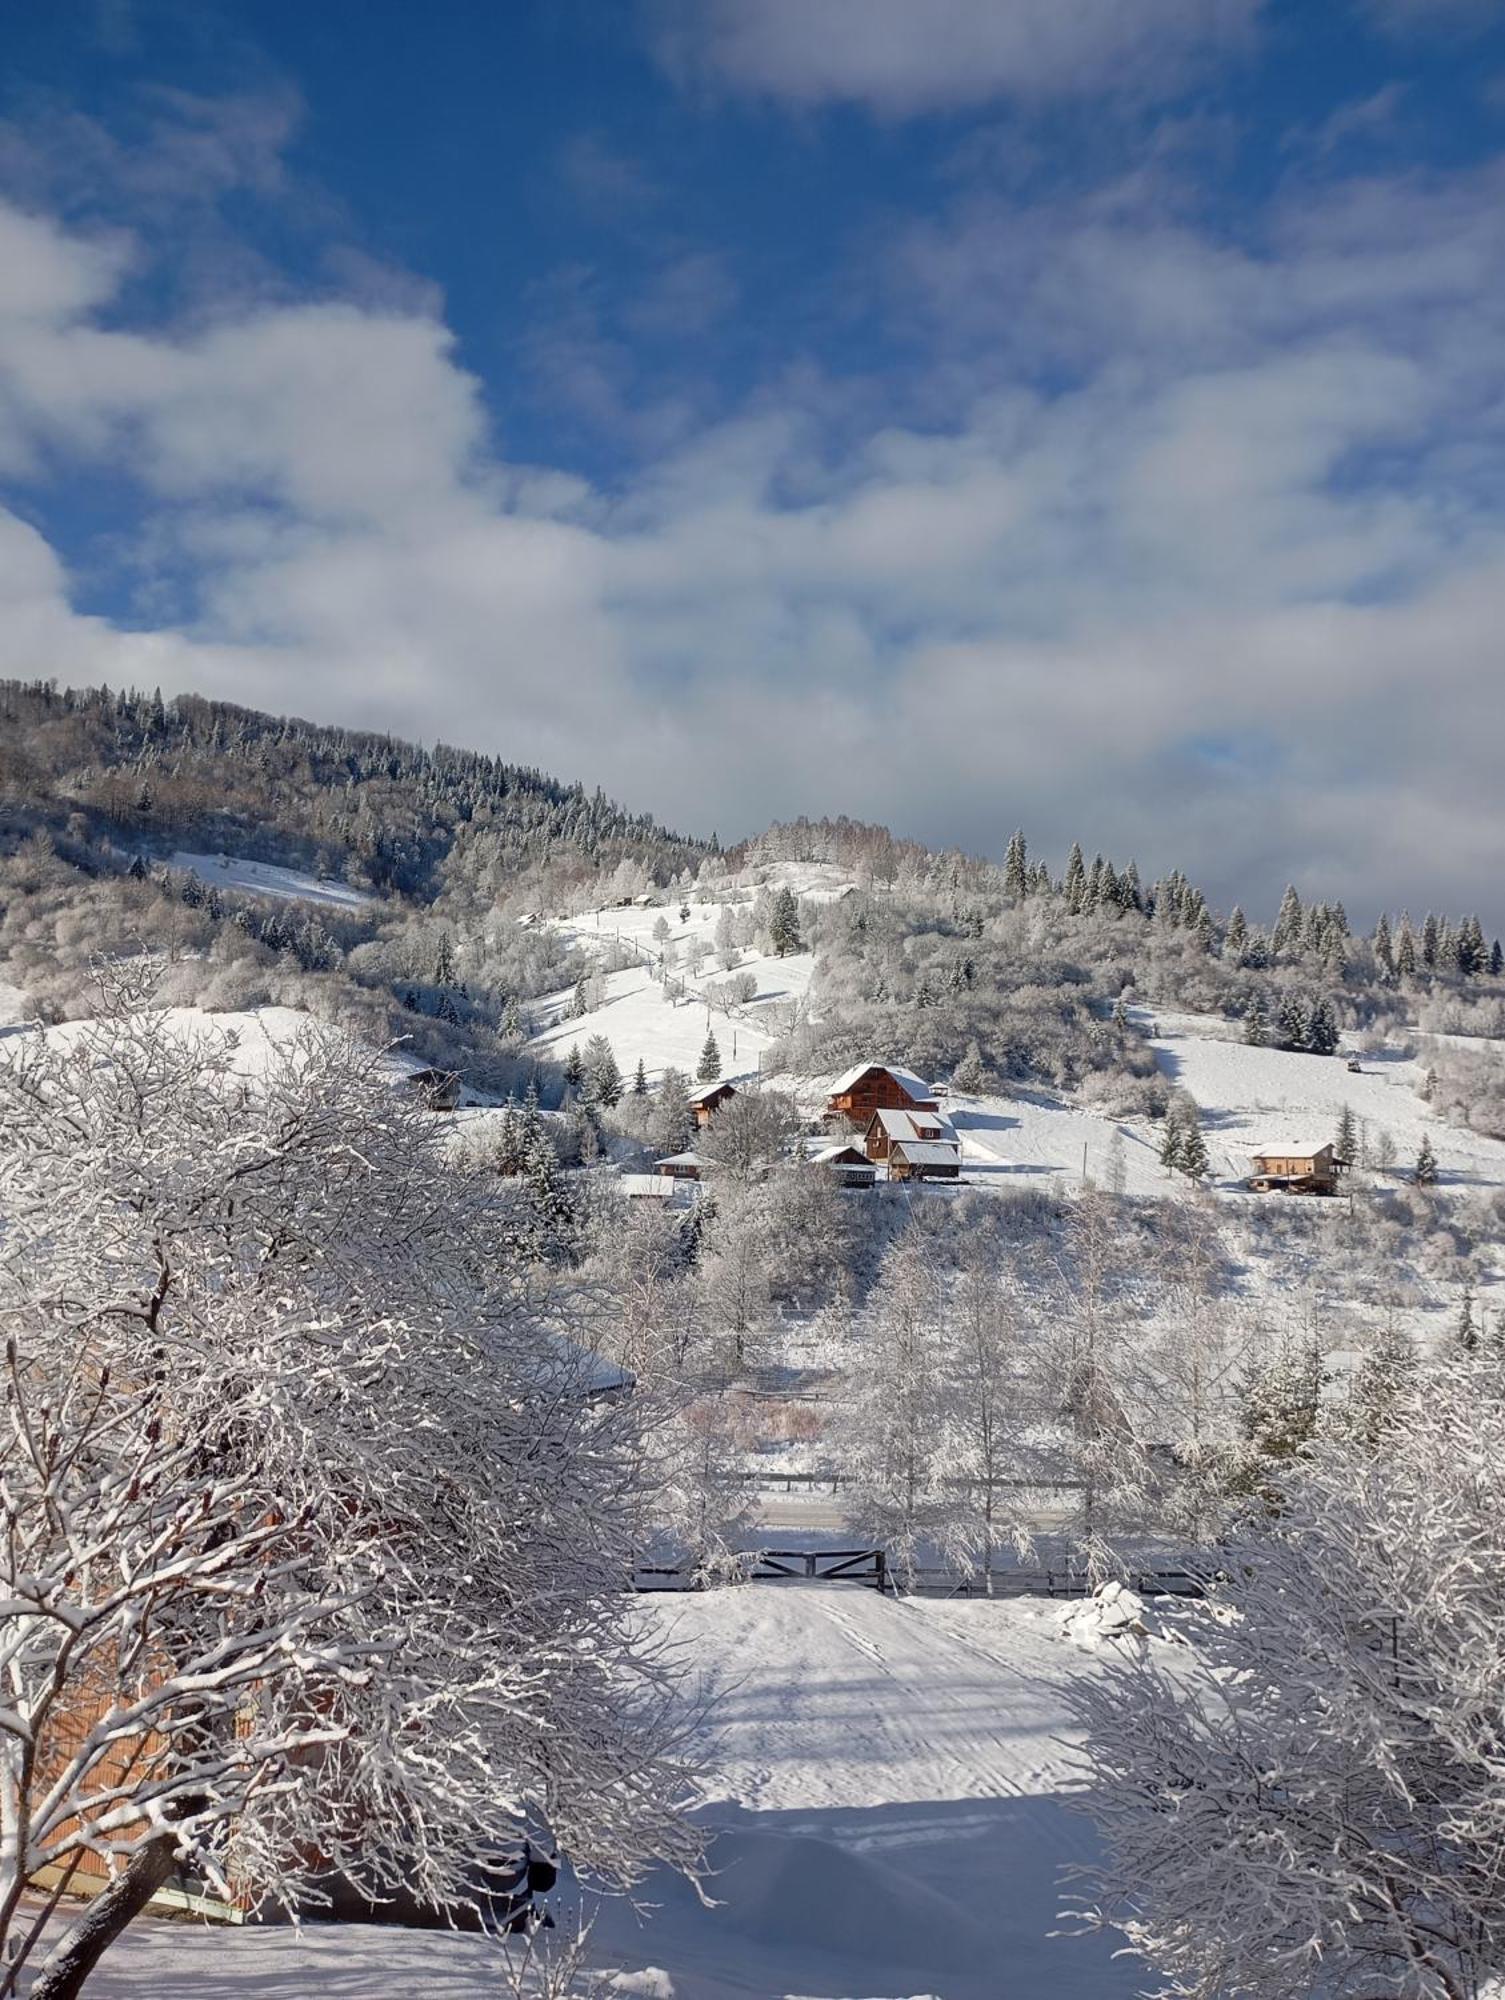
(885, 1780)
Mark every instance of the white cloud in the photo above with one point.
(1224, 592)
(905, 56)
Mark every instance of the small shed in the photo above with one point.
(924, 1160)
(436, 1089)
(846, 1165)
(708, 1100)
(884, 1127)
(682, 1166)
(1296, 1170)
(649, 1187)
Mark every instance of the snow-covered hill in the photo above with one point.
(262, 878)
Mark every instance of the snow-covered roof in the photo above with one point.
(931, 1152)
(655, 1187)
(1290, 1149)
(914, 1124)
(704, 1090)
(905, 1079)
(690, 1159)
(847, 1155)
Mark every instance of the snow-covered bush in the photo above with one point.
(314, 1535)
(1321, 1810)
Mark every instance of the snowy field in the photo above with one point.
(636, 1017)
(887, 1783)
(261, 878)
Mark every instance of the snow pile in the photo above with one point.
(1113, 1615)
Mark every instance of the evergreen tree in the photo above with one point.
(1322, 1029)
(1194, 1161)
(444, 961)
(1405, 948)
(708, 1069)
(674, 1120)
(1384, 949)
(1291, 1022)
(1288, 925)
(970, 1075)
(1424, 1173)
(784, 927)
(1429, 942)
(1015, 868)
(1382, 1381)
(1496, 959)
(1170, 1143)
(1074, 884)
(640, 1080)
(574, 1067)
(1236, 936)
(1256, 1023)
(581, 1004)
(1346, 1139)
(603, 1079)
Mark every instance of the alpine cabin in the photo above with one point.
(884, 1127)
(874, 1087)
(708, 1100)
(846, 1166)
(924, 1160)
(1296, 1170)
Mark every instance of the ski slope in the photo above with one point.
(887, 1783)
(261, 878)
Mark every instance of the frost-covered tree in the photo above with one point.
(708, 1069)
(1256, 1023)
(313, 1542)
(1317, 1807)
(674, 1121)
(1016, 868)
(603, 1078)
(784, 924)
(1424, 1173)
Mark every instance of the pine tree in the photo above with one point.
(1382, 1381)
(1194, 1161)
(1015, 868)
(574, 1067)
(1256, 1023)
(603, 1079)
(1424, 1173)
(1322, 1029)
(1074, 884)
(1346, 1139)
(1429, 942)
(640, 1080)
(1170, 1143)
(708, 1069)
(1384, 949)
(1288, 925)
(581, 1003)
(1291, 1022)
(970, 1075)
(444, 961)
(1496, 959)
(784, 927)
(1236, 936)
(1405, 948)
(674, 1121)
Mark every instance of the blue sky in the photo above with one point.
(1079, 413)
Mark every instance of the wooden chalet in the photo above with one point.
(435, 1089)
(884, 1127)
(681, 1167)
(708, 1100)
(924, 1160)
(874, 1087)
(1296, 1170)
(846, 1165)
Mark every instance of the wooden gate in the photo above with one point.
(864, 1566)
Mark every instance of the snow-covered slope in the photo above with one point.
(261, 878)
(887, 1781)
(1264, 1097)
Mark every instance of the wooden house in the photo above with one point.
(681, 1167)
(846, 1165)
(1296, 1170)
(884, 1127)
(871, 1087)
(924, 1160)
(708, 1100)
